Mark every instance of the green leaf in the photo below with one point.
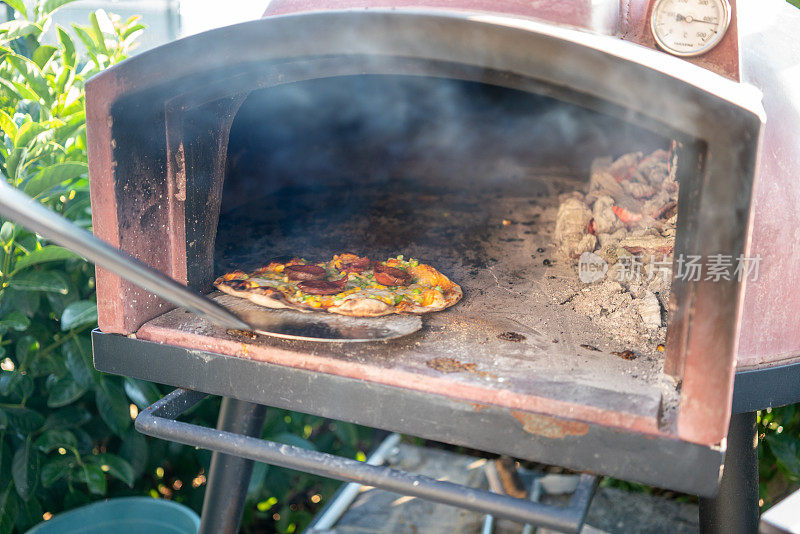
(54, 175)
(51, 440)
(9, 508)
(51, 5)
(115, 466)
(28, 131)
(78, 355)
(113, 407)
(16, 384)
(347, 433)
(134, 449)
(18, 5)
(24, 91)
(34, 78)
(94, 18)
(56, 469)
(23, 420)
(14, 29)
(84, 36)
(135, 29)
(69, 417)
(14, 160)
(257, 479)
(9, 380)
(8, 125)
(7, 230)
(43, 54)
(53, 281)
(65, 391)
(43, 255)
(787, 452)
(5, 465)
(78, 314)
(30, 513)
(68, 47)
(141, 393)
(94, 478)
(71, 125)
(15, 321)
(25, 469)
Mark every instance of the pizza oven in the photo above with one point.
(459, 136)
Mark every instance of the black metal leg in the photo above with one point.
(735, 508)
(229, 476)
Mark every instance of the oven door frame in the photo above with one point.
(720, 118)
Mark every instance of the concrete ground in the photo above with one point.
(612, 511)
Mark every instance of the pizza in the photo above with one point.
(348, 285)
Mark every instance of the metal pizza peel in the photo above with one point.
(287, 324)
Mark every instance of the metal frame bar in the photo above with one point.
(229, 476)
(666, 463)
(768, 387)
(159, 421)
(734, 510)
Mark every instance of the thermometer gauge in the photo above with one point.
(689, 27)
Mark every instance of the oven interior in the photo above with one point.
(463, 175)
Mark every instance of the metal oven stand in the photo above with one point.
(735, 508)
(236, 447)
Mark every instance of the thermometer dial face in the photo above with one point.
(689, 27)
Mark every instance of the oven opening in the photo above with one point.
(503, 191)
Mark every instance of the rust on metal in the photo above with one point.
(451, 365)
(549, 427)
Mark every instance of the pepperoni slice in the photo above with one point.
(356, 266)
(322, 287)
(391, 276)
(304, 272)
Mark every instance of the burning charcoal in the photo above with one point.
(563, 197)
(655, 167)
(625, 166)
(605, 221)
(667, 211)
(571, 221)
(604, 240)
(628, 217)
(650, 310)
(638, 190)
(648, 245)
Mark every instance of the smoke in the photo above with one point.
(371, 129)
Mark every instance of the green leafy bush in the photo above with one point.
(55, 452)
(778, 453)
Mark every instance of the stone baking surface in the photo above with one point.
(515, 340)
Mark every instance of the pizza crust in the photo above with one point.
(360, 307)
(269, 298)
(355, 306)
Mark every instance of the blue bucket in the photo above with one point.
(125, 515)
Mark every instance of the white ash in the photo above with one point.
(571, 221)
(628, 217)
